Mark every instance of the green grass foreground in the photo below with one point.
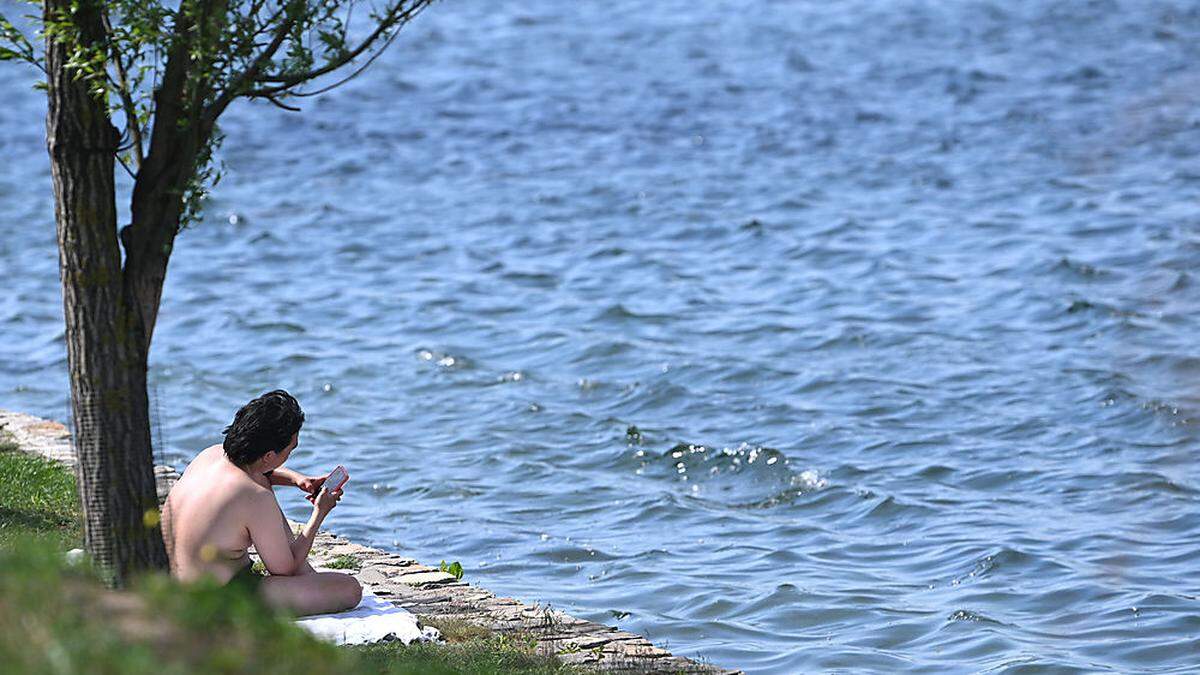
(58, 618)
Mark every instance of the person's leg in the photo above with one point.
(312, 592)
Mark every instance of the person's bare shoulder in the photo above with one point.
(204, 459)
(210, 454)
(257, 499)
(259, 510)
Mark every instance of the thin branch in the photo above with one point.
(204, 68)
(396, 17)
(24, 48)
(153, 176)
(357, 71)
(132, 124)
(255, 6)
(349, 14)
(262, 28)
(121, 161)
(277, 102)
(231, 91)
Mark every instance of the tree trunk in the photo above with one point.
(107, 347)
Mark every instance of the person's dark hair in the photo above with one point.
(263, 425)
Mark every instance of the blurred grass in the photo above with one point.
(57, 618)
(54, 619)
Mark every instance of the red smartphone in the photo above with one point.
(337, 478)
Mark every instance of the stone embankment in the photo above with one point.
(426, 591)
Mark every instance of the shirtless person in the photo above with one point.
(224, 503)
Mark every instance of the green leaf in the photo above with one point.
(454, 569)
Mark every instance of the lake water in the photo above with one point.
(794, 335)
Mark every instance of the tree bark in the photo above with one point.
(107, 345)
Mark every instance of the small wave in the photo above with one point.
(1083, 305)
(1005, 558)
(798, 63)
(747, 476)
(967, 615)
(282, 326)
(1081, 269)
(1172, 411)
(444, 360)
(893, 511)
(620, 313)
(512, 376)
(532, 279)
(1086, 74)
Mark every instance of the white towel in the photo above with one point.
(373, 620)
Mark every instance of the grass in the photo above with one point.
(455, 631)
(470, 648)
(57, 618)
(37, 499)
(54, 619)
(497, 653)
(345, 561)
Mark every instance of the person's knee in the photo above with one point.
(350, 589)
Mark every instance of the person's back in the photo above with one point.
(205, 525)
(223, 504)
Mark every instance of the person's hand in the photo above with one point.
(312, 485)
(326, 500)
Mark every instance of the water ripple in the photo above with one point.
(830, 336)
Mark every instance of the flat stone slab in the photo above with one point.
(38, 436)
(426, 591)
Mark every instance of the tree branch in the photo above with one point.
(231, 91)
(280, 104)
(125, 166)
(204, 68)
(177, 139)
(23, 47)
(141, 236)
(132, 124)
(396, 17)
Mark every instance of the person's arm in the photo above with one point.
(284, 476)
(310, 484)
(323, 503)
(270, 535)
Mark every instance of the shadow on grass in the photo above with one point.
(37, 521)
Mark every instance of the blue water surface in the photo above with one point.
(794, 335)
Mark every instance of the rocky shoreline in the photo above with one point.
(426, 591)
